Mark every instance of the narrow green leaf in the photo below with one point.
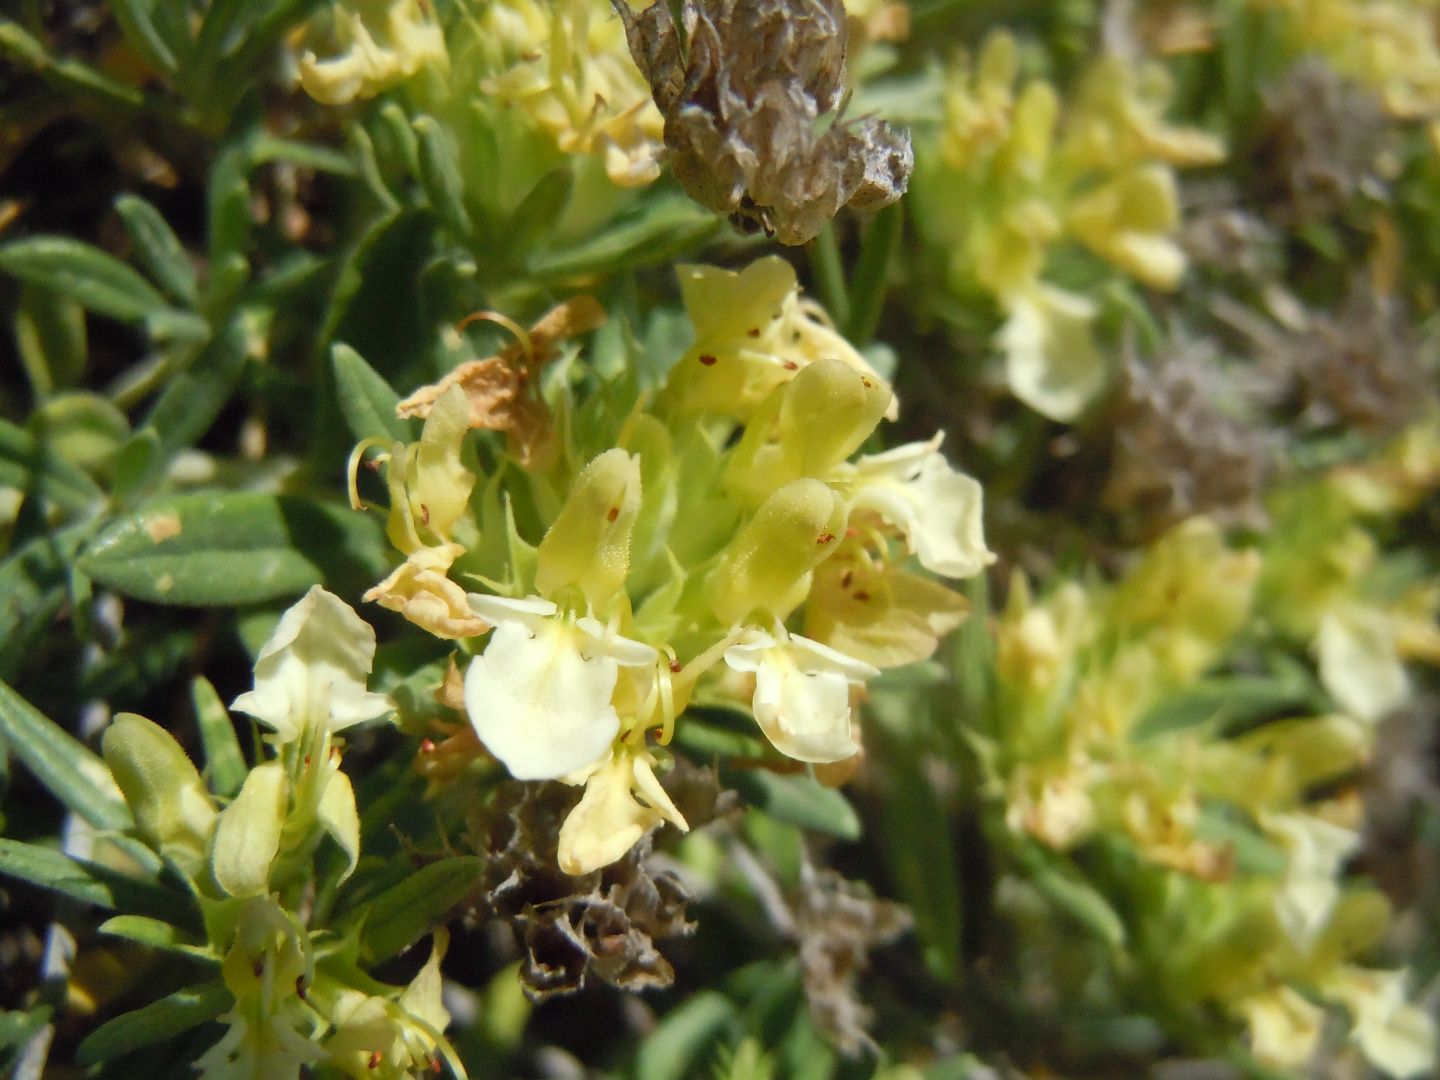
(366, 398)
(67, 768)
(224, 763)
(228, 206)
(193, 398)
(144, 35)
(69, 75)
(92, 883)
(685, 1037)
(829, 270)
(97, 281)
(798, 800)
(156, 1022)
(27, 464)
(664, 229)
(17, 1028)
(921, 855)
(156, 934)
(870, 282)
(265, 149)
(158, 249)
(403, 913)
(32, 582)
(538, 213)
(220, 549)
(1068, 890)
(50, 336)
(440, 176)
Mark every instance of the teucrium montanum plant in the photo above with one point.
(682, 555)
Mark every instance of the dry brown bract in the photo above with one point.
(502, 390)
(744, 110)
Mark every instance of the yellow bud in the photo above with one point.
(173, 811)
(589, 543)
(768, 563)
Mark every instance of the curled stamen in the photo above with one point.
(521, 334)
(352, 469)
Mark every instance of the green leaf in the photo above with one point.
(97, 281)
(32, 581)
(50, 335)
(144, 35)
(872, 271)
(684, 1039)
(399, 916)
(798, 800)
(29, 465)
(662, 230)
(17, 1028)
(156, 1022)
(225, 767)
(228, 206)
(81, 428)
(193, 398)
(440, 176)
(1067, 889)
(92, 883)
(366, 398)
(538, 213)
(265, 149)
(158, 249)
(227, 548)
(921, 854)
(67, 768)
(155, 934)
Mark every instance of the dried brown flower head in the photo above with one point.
(1326, 140)
(1176, 453)
(745, 113)
(601, 925)
(1360, 370)
(837, 923)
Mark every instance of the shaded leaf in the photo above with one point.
(158, 249)
(97, 281)
(366, 398)
(798, 800)
(225, 766)
(683, 1041)
(67, 768)
(156, 1022)
(399, 916)
(92, 883)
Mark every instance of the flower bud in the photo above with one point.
(768, 563)
(589, 544)
(173, 811)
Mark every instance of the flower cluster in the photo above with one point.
(1120, 735)
(1011, 175)
(299, 997)
(713, 543)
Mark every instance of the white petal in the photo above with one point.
(814, 657)
(528, 611)
(938, 509)
(624, 651)
(748, 653)
(1359, 663)
(539, 703)
(805, 714)
(318, 658)
(1051, 358)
